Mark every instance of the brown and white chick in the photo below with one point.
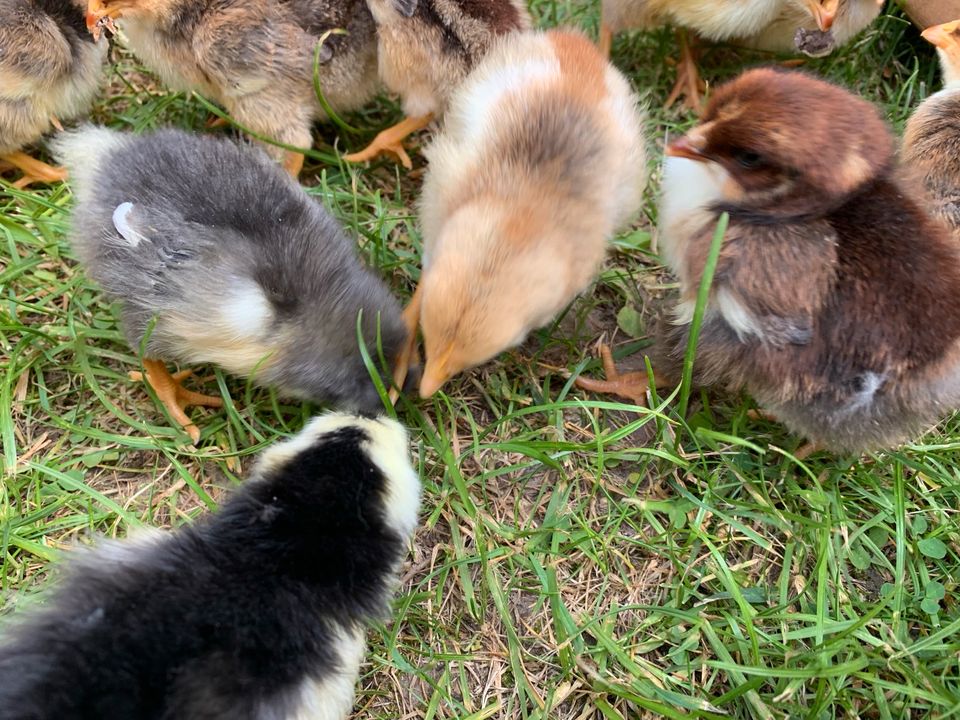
(50, 70)
(931, 142)
(256, 57)
(834, 299)
(425, 50)
(779, 25)
(540, 161)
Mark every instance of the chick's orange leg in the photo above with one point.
(411, 318)
(632, 386)
(391, 141)
(293, 162)
(605, 42)
(689, 85)
(33, 170)
(175, 398)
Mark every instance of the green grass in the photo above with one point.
(578, 559)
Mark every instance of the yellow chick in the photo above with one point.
(540, 161)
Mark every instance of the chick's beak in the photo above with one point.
(685, 148)
(942, 36)
(824, 13)
(100, 16)
(436, 372)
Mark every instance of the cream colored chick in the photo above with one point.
(50, 70)
(781, 25)
(540, 161)
(425, 50)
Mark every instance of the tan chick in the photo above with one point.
(540, 161)
(256, 58)
(50, 70)
(425, 50)
(931, 142)
(812, 27)
(834, 299)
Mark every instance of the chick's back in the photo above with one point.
(237, 264)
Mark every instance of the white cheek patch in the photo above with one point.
(690, 188)
(121, 221)
(247, 312)
(949, 70)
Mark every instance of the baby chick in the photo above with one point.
(255, 612)
(50, 70)
(541, 159)
(834, 300)
(426, 48)
(776, 25)
(256, 58)
(931, 142)
(217, 256)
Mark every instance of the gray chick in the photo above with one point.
(217, 256)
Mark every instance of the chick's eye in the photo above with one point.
(748, 159)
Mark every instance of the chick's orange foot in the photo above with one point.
(34, 171)
(391, 141)
(175, 398)
(633, 386)
(689, 85)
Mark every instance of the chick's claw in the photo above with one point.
(34, 171)
(633, 386)
(175, 398)
(391, 141)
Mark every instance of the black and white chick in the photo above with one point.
(257, 612)
(217, 256)
(50, 70)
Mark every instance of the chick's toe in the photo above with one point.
(34, 170)
(391, 141)
(175, 398)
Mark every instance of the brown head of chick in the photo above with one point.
(931, 142)
(834, 300)
(540, 161)
(256, 58)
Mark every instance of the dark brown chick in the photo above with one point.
(50, 70)
(834, 300)
(425, 50)
(931, 143)
(255, 57)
